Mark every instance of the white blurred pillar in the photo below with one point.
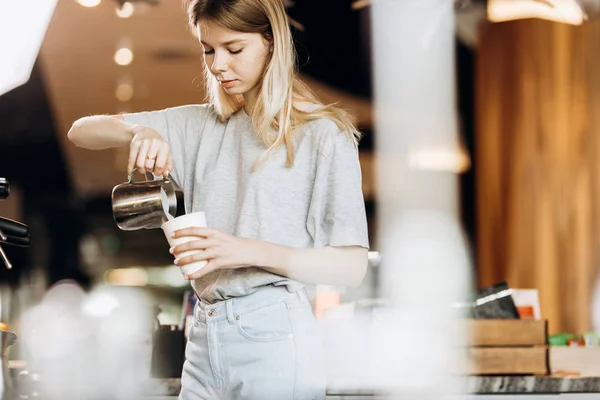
(425, 262)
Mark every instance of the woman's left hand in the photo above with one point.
(218, 249)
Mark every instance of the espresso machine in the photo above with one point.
(12, 233)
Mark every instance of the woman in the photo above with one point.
(278, 177)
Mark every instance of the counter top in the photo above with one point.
(531, 384)
(475, 384)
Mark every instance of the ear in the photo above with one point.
(268, 41)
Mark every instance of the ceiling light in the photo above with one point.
(124, 56)
(22, 29)
(565, 11)
(126, 10)
(124, 92)
(440, 159)
(89, 3)
(127, 277)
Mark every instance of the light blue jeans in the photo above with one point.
(264, 346)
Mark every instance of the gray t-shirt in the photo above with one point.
(317, 202)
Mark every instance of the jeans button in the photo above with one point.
(212, 313)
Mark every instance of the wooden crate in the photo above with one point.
(506, 347)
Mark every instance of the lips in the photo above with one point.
(227, 83)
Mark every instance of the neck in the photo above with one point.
(250, 99)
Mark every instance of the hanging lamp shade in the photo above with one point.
(565, 11)
(23, 25)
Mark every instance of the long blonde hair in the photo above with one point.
(279, 109)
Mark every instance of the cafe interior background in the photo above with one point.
(520, 173)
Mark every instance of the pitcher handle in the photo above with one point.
(149, 176)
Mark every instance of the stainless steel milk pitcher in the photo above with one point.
(146, 204)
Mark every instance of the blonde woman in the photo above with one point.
(278, 177)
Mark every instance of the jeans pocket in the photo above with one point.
(267, 324)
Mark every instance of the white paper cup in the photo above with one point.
(197, 219)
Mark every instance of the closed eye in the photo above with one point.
(230, 51)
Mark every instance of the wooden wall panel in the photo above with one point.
(538, 163)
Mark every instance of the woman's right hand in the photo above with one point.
(149, 152)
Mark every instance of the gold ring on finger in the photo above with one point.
(150, 158)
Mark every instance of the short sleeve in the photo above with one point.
(337, 215)
(181, 127)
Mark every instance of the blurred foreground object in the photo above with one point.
(95, 345)
(426, 267)
(7, 385)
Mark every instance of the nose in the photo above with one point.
(219, 63)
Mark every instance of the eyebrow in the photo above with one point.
(227, 43)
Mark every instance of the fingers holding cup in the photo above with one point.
(191, 220)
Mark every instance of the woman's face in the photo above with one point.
(236, 59)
